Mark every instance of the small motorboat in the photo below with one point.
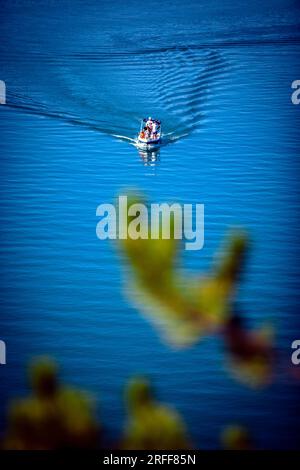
(149, 137)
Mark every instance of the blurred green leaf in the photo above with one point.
(151, 425)
(53, 416)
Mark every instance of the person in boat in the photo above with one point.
(151, 129)
(144, 132)
(154, 129)
(149, 124)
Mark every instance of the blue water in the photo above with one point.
(79, 77)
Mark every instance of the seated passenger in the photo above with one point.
(149, 123)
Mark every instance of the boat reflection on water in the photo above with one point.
(150, 157)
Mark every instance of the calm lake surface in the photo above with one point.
(79, 77)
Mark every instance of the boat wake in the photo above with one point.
(176, 85)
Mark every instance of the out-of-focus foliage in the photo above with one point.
(53, 417)
(185, 308)
(57, 417)
(251, 354)
(151, 425)
(236, 437)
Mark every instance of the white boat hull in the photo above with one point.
(148, 145)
